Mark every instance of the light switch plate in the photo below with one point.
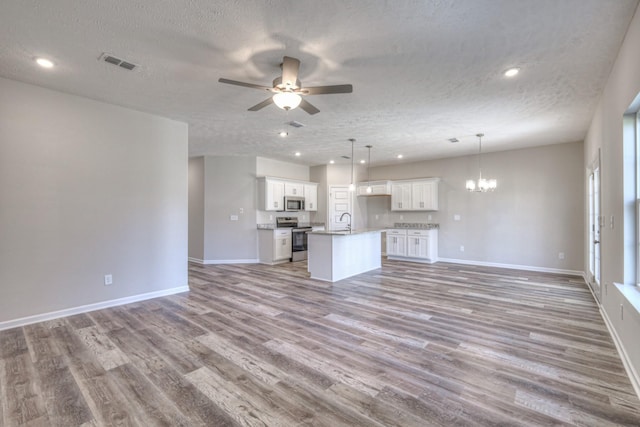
(233, 217)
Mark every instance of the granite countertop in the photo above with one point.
(347, 232)
(300, 225)
(415, 225)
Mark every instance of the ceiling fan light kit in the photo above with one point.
(287, 100)
(288, 90)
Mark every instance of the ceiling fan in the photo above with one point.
(288, 90)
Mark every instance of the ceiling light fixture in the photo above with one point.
(369, 189)
(454, 140)
(298, 154)
(287, 100)
(331, 162)
(363, 161)
(283, 133)
(511, 72)
(352, 186)
(399, 156)
(482, 185)
(44, 62)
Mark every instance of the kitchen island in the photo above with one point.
(336, 255)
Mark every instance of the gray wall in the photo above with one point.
(196, 208)
(230, 187)
(87, 189)
(536, 212)
(618, 240)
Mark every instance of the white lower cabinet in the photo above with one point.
(274, 246)
(396, 243)
(413, 245)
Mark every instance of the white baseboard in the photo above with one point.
(631, 372)
(222, 261)
(89, 307)
(512, 266)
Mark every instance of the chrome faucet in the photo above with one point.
(348, 223)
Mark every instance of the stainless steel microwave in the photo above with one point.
(292, 204)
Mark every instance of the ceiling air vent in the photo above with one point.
(295, 124)
(117, 61)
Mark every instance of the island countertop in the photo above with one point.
(347, 232)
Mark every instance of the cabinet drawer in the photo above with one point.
(396, 232)
(282, 233)
(418, 232)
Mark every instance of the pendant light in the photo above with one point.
(482, 185)
(369, 189)
(352, 186)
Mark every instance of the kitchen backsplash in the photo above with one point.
(269, 217)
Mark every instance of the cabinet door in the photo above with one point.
(396, 243)
(418, 245)
(274, 197)
(293, 189)
(424, 195)
(401, 196)
(310, 197)
(282, 249)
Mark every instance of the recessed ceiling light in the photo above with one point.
(511, 72)
(363, 161)
(283, 133)
(331, 162)
(399, 156)
(454, 140)
(298, 154)
(44, 62)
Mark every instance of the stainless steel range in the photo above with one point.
(298, 236)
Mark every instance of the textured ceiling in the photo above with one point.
(423, 71)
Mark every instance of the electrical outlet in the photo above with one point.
(233, 217)
(241, 210)
(108, 279)
(429, 217)
(461, 248)
(456, 217)
(560, 255)
(270, 217)
(401, 217)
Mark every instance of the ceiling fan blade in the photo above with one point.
(290, 67)
(306, 106)
(261, 105)
(323, 90)
(237, 83)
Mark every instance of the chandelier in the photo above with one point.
(482, 184)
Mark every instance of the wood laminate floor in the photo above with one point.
(255, 345)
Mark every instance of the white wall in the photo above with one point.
(606, 134)
(87, 189)
(280, 169)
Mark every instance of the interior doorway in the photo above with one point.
(595, 226)
(340, 201)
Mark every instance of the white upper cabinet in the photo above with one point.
(424, 195)
(294, 189)
(415, 195)
(401, 196)
(311, 197)
(272, 191)
(378, 188)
